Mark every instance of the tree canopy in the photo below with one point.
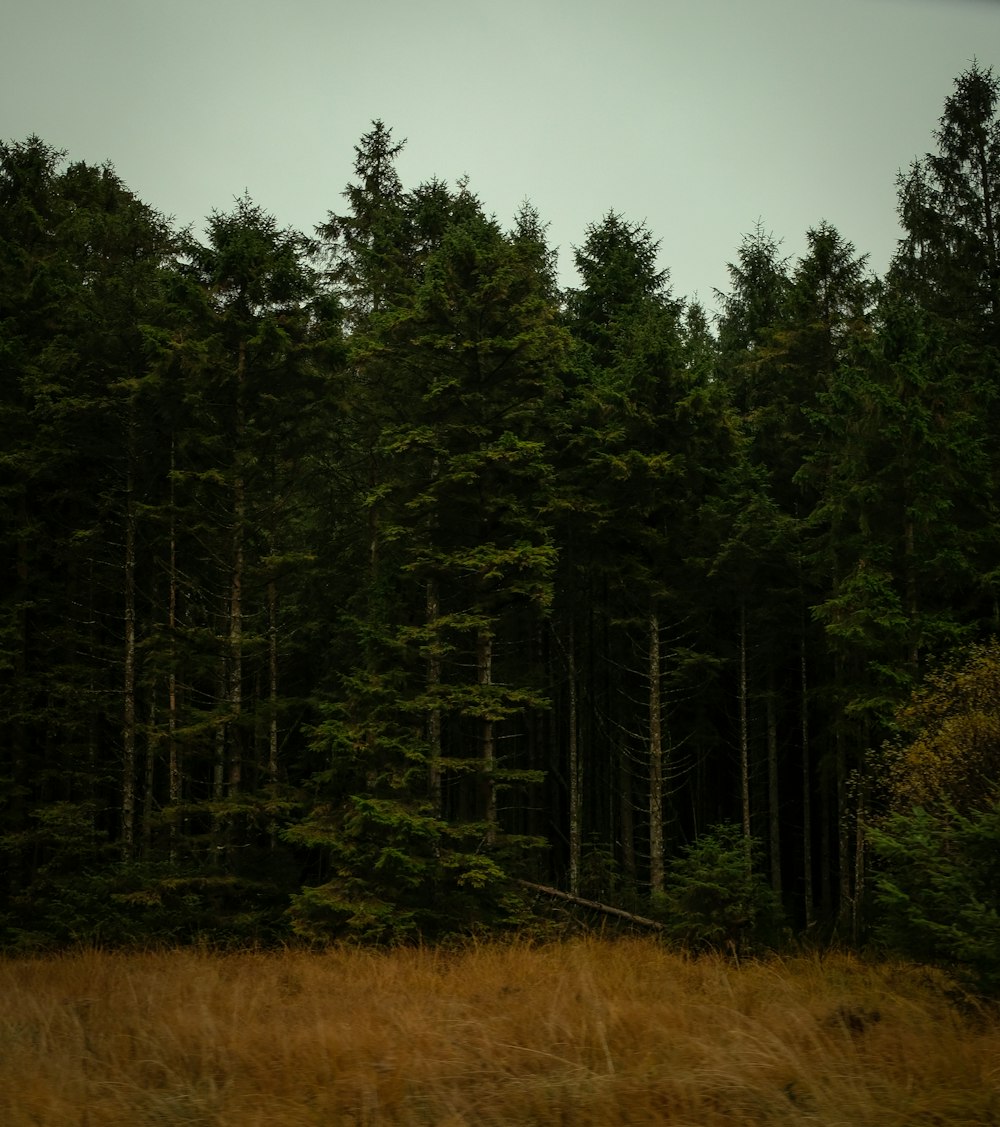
(359, 583)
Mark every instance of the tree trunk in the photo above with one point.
(234, 694)
(484, 677)
(826, 847)
(909, 554)
(844, 867)
(433, 686)
(807, 876)
(149, 782)
(656, 858)
(173, 748)
(744, 738)
(596, 905)
(773, 789)
(17, 815)
(859, 860)
(233, 726)
(626, 813)
(575, 776)
(128, 686)
(272, 681)
(219, 769)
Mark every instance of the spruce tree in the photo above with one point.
(254, 393)
(947, 264)
(427, 745)
(949, 206)
(655, 437)
(83, 262)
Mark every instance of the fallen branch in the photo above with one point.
(596, 905)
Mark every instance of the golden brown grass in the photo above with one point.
(589, 1032)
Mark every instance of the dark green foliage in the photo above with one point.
(948, 267)
(399, 876)
(715, 899)
(937, 850)
(79, 893)
(453, 383)
(949, 204)
(938, 890)
(346, 582)
(141, 905)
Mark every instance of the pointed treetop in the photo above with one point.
(617, 261)
(949, 208)
(375, 158)
(759, 280)
(249, 261)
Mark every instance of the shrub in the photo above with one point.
(716, 898)
(938, 891)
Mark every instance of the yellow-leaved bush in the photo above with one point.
(947, 751)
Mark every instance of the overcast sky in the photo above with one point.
(700, 117)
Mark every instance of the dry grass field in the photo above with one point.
(588, 1032)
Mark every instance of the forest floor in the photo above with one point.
(588, 1032)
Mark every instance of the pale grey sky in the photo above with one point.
(698, 116)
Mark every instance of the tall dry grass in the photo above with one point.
(601, 1033)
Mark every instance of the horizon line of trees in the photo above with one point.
(349, 580)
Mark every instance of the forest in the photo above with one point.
(367, 584)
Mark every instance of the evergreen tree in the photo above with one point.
(427, 745)
(949, 206)
(255, 393)
(83, 261)
(759, 548)
(370, 243)
(656, 435)
(826, 313)
(750, 313)
(947, 264)
(784, 336)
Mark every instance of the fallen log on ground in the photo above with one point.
(595, 905)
